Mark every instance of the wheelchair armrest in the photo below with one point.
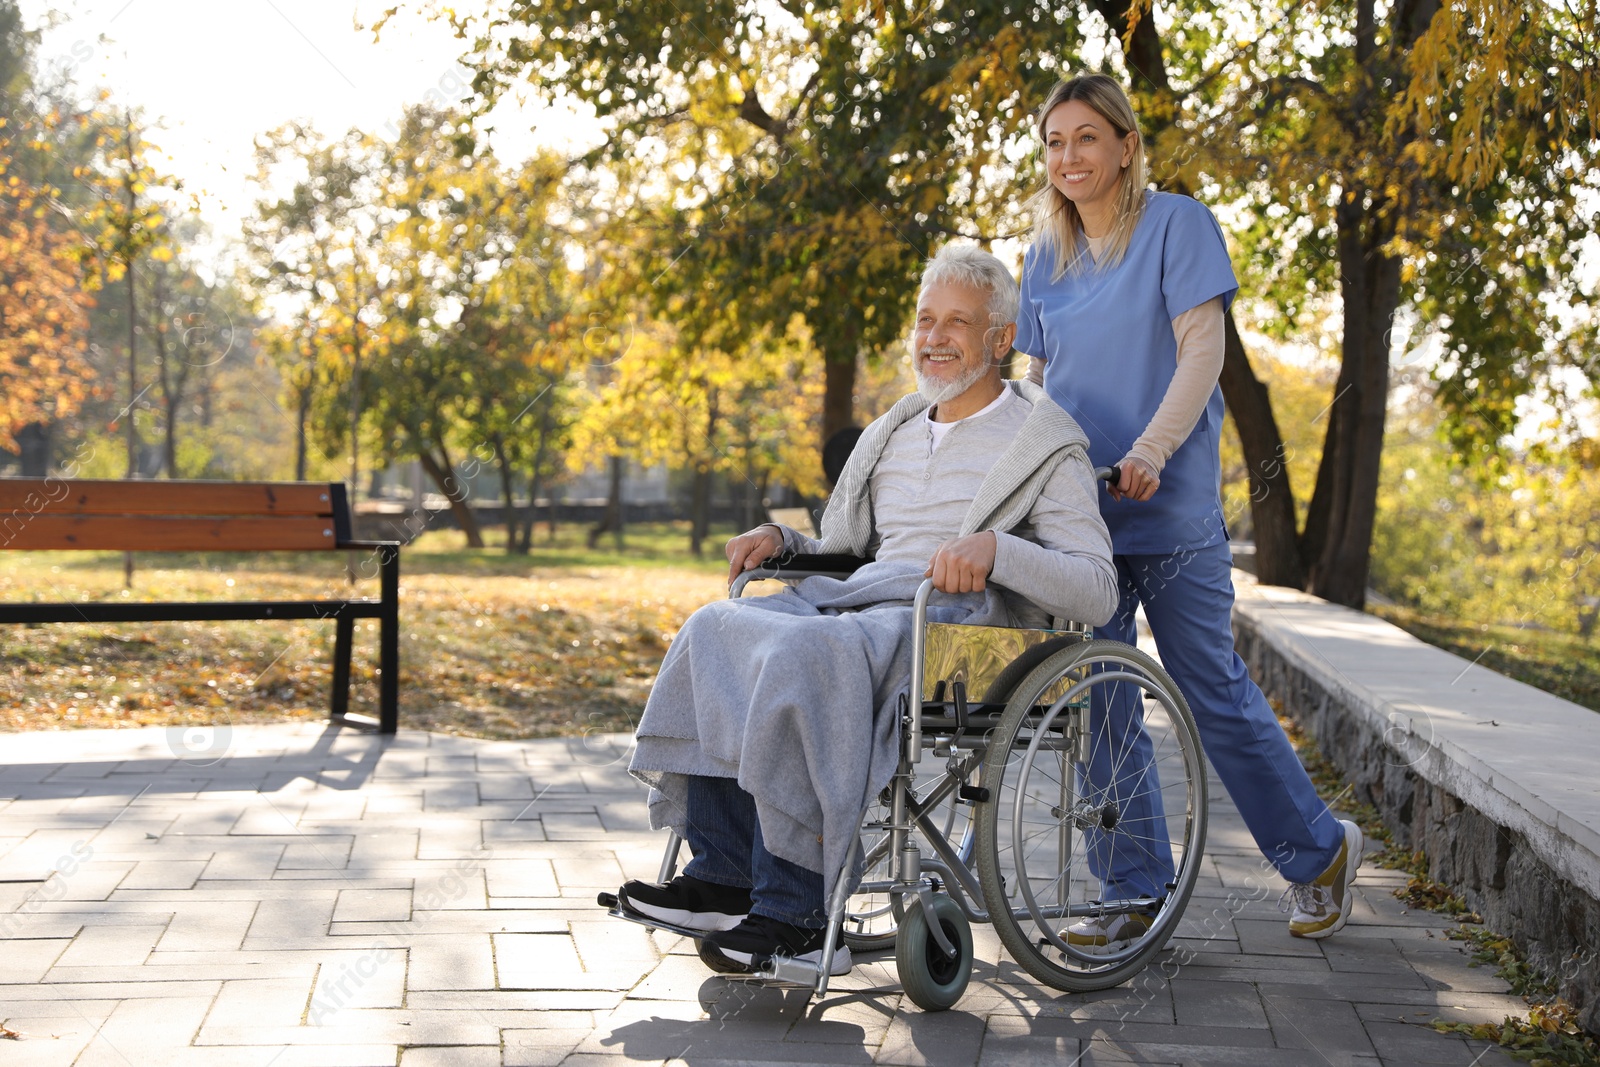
(796, 565)
(790, 563)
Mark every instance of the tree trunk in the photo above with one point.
(612, 518)
(1272, 510)
(1141, 52)
(301, 417)
(173, 385)
(1370, 291)
(839, 387)
(513, 515)
(33, 449)
(700, 488)
(440, 469)
(756, 494)
(133, 370)
(525, 542)
(536, 481)
(699, 510)
(355, 417)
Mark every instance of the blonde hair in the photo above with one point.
(1056, 223)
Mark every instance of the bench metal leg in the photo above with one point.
(343, 638)
(389, 643)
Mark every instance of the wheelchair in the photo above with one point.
(1063, 792)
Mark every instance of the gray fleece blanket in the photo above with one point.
(793, 695)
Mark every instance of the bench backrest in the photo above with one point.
(165, 516)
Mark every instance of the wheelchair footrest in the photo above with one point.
(615, 909)
(782, 971)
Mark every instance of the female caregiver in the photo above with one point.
(1123, 295)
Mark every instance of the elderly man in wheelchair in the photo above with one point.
(776, 720)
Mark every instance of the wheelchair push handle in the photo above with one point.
(1110, 475)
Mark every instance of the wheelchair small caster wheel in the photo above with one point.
(932, 980)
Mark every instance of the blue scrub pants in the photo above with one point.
(1188, 600)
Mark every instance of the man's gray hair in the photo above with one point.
(971, 265)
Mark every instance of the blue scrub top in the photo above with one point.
(1109, 351)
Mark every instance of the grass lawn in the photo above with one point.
(563, 641)
(1563, 664)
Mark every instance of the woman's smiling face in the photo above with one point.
(1085, 158)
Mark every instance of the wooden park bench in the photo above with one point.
(54, 514)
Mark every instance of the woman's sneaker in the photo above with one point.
(1102, 935)
(1317, 909)
(750, 945)
(687, 902)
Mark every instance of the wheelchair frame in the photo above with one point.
(935, 899)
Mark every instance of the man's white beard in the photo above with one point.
(937, 390)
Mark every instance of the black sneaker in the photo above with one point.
(756, 940)
(688, 902)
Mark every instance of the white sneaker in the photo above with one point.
(1317, 909)
(1102, 935)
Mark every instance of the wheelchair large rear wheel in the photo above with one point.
(1089, 843)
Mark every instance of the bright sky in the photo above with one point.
(212, 74)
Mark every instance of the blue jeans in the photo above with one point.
(1188, 600)
(725, 837)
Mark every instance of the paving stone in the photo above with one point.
(244, 861)
(372, 905)
(446, 961)
(1270, 937)
(1370, 956)
(164, 874)
(51, 1034)
(1028, 1051)
(31, 960)
(1404, 1043)
(142, 1031)
(1451, 1005)
(588, 870)
(258, 1002)
(522, 878)
(1322, 1024)
(362, 1055)
(506, 786)
(1449, 966)
(365, 1026)
(1202, 1003)
(217, 926)
(540, 1048)
(574, 826)
(470, 933)
(461, 796)
(932, 1039)
(316, 852)
(451, 1056)
(109, 946)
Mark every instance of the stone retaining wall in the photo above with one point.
(1525, 876)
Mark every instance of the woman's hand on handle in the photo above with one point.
(963, 565)
(1138, 481)
(751, 549)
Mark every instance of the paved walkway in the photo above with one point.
(298, 896)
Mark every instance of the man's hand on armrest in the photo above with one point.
(964, 564)
(749, 550)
